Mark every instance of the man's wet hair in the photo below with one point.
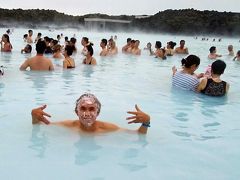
(40, 47)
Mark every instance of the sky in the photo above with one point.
(121, 7)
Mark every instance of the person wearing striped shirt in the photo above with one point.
(186, 78)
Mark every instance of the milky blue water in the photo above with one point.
(192, 136)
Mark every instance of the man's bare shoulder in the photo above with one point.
(107, 126)
(67, 123)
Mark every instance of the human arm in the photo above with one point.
(1, 45)
(65, 64)
(93, 62)
(24, 66)
(227, 87)
(51, 68)
(200, 75)
(202, 85)
(174, 70)
(139, 117)
(186, 51)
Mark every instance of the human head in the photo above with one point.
(73, 41)
(57, 48)
(87, 109)
(230, 48)
(47, 40)
(84, 41)
(28, 48)
(5, 38)
(171, 44)
(158, 45)
(129, 40)
(103, 43)
(137, 43)
(182, 43)
(89, 49)
(132, 43)
(191, 61)
(30, 32)
(69, 50)
(212, 49)
(66, 38)
(54, 42)
(39, 35)
(238, 53)
(149, 45)
(218, 67)
(25, 36)
(40, 47)
(58, 37)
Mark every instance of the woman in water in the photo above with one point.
(6, 46)
(68, 62)
(159, 53)
(186, 78)
(214, 86)
(89, 59)
(57, 51)
(169, 51)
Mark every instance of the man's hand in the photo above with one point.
(139, 116)
(38, 115)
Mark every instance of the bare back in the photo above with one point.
(38, 63)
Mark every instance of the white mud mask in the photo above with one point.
(87, 111)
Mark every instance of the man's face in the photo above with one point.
(182, 44)
(87, 111)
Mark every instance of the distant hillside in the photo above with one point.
(187, 21)
(190, 21)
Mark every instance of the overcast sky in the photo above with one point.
(119, 7)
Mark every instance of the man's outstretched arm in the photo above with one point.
(139, 117)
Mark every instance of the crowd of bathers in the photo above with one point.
(63, 48)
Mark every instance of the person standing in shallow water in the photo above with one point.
(230, 50)
(88, 53)
(214, 86)
(87, 109)
(68, 62)
(186, 78)
(38, 62)
(182, 49)
(6, 46)
(125, 48)
(29, 38)
(103, 45)
(213, 53)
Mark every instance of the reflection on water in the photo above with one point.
(40, 81)
(68, 78)
(132, 155)
(6, 56)
(1, 89)
(186, 112)
(87, 70)
(87, 150)
(39, 141)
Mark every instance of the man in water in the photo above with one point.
(87, 109)
(38, 62)
(181, 49)
(29, 38)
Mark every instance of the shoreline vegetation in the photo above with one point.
(185, 21)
